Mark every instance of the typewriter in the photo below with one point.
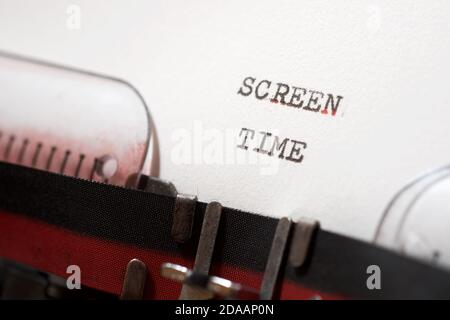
(224, 150)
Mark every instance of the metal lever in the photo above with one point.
(275, 259)
(212, 285)
(184, 211)
(299, 247)
(183, 217)
(134, 281)
(301, 241)
(205, 250)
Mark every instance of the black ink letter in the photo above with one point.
(261, 97)
(296, 151)
(244, 142)
(314, 101)
(297, 97)
(247, 85)
(263, 141)
(330, 101)
(280, 93)
(277, 146)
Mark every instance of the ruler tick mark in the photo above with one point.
(50, 158)
(22, 151)
(36, 154)
(80, 163)
(64, 162)
(94, 168)
(9, 146)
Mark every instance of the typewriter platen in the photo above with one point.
(175, 150)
